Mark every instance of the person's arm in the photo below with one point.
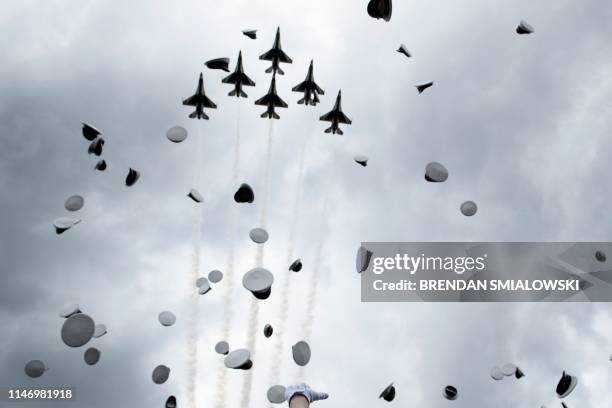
(316, 396)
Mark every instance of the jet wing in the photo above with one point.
(342, 118)
(279, 103)
(328, 117)
(268, 56)
(247, 81)
(191, 101)
(264, 101)
(300, 87)
(230, 79)
(209, 104)
(282, 57)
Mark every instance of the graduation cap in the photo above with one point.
(268, 330)
(524, 28)
(176, 134)
(218, 63)
(388, 394)
(361, 159)
(468, 208)
(258, 235)
(132, 177)
(435, 172)
(566, 385)
(96, 146)
(203, 286)
(77, 330)
(423, 87)
(276, 394)
(239, 359)
(171, 402)
(195, 195)
(90, 132)
(69, 310)
(74, 203)
(497, 374)
(99, 330)
(296, 266)
(166, 318)
(450, 392)
(160, 374)
(244, 194)
(63, 224)
(91, 356)
(34, 368)
(215, 276)
(380, 9)
(363, 259)
(252, 34)
(301, 353)
(519, 373)
(100, 165)
(403, 50)
(600, 256)
(508, 369)
(222, 347)
(259, 282)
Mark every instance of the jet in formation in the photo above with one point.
(336, 116)
(239, 79)
(200, 101)
(276, 55)
(271, 100)
(310, 89)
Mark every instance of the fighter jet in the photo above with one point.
(276, 55)
(336, 116)
(271, 100)
(310, 88)
(200, 101)
(239, 79)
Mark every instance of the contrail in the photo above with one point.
(259, 258)
(193, 333)
(314, 284)
(229, 275)
(286, 287)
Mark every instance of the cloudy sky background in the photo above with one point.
(521, 122)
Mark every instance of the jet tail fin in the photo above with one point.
(238, 93)
(328, 130)
(194, 115)
(275, 115)
(301, 101)
(340, 132)
(278, 70)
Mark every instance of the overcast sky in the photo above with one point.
(521, 122)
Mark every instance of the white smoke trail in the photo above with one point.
(193, 332)
(259, 258)
(286, 287)
(228, 311)
(311, 297)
